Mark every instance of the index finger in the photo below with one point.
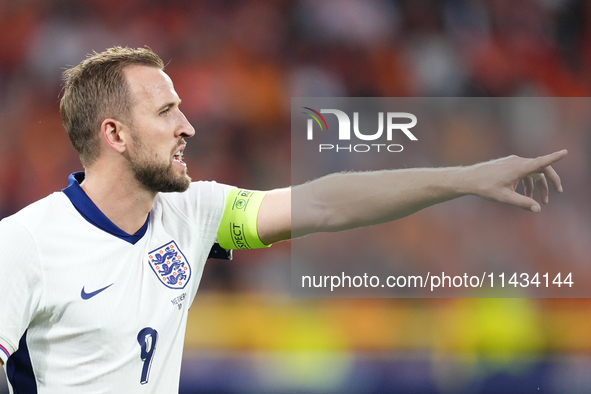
(538, 164)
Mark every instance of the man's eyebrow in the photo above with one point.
(170, 104)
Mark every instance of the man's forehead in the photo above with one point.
(149, 83)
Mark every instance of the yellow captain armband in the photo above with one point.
(238, 228)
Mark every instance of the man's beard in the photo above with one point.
(157, 177)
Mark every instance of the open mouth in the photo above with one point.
(178, 156)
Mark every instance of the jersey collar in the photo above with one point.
(92, 214)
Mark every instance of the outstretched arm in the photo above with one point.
(347, 200)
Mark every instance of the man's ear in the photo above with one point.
(115, 134)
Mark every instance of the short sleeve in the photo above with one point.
(21, 284)
(202, 205)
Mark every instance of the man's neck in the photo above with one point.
(119, 197)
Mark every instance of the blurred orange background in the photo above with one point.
(236, 64)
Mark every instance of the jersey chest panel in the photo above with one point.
(110, 308)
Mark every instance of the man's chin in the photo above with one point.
(185, 183)
(179, 184)
(184, 179)
(158, 179)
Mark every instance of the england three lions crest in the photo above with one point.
(170, 265)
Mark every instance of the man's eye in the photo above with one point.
(165, 112)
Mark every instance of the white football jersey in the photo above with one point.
(88, 308)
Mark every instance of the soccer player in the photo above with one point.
(97, 279)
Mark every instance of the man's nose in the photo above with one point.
(186, 130)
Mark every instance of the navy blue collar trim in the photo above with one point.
(92, 214)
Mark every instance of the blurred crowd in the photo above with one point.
(237, 63)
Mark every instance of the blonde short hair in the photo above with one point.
(96, 89)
